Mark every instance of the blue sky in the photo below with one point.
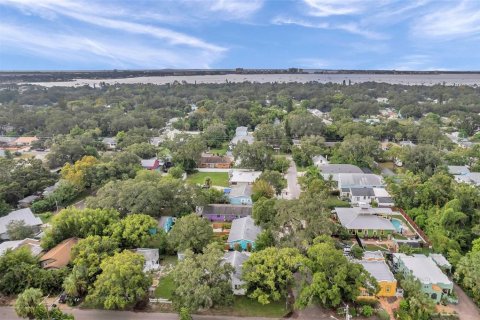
(324, 34)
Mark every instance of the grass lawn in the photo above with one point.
(218, 178)
(220, 151)
(374, 247)
(246, 307)
(166, 260)
(45, 217)
(165, 287)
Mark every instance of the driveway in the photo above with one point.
(293, 187)
(466, 308)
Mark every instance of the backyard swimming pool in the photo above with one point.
(397, 224)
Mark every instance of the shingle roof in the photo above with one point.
(423, 268)
(244, 176)
(214, 159)
(340, 168)
(359, 179)
(385, 200)
(362, 192)
(32, 244)
(236, 259)
(223, 209)
(243, 229)
(241, 190)
(378, 269)
(60, 254)
(358, 218)
(18, 215)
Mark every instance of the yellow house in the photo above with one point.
(381, 272)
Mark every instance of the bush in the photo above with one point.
(367, 311)
(383, 315)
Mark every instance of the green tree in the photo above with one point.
(357, 150)
(262, 189)
(332, 278)
(28, 302)
(18, 230)
(184, 314)
(264, 211)
(268, 274)
(190, 232)
(416, 305)
(186, 151)
(143, 150)
(468, 271)
(78, 223)
(215, 134)
(122, 283)
(275, 179)
(202, 281)
(133, 231)
(254, 156)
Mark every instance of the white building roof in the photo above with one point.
(147, 163)
(236, 260)
(243, 229)
(359, 179)
(423, 268)
(241, 190)
(339, 168)
(373, 255)
(381, 193)
(244, 176)
(33, 245)
(18, 215)
(378, 269)
(440, 260)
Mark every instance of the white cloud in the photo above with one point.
(312, 63)
(236, 8)
(351, 27)
(462, 19)
(325, 8)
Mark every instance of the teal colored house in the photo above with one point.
(166, 223)
(240, 194)
(243, 233)
(435, 283)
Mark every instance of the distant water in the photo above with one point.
(405, 79)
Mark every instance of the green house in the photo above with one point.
(366, 222)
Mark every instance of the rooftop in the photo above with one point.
(147, 163)
(359, 179)
(59, 255)
(223, 209)
(423, 268)
(455, 170)
(32, 244)
(241, 190)
(340, 168)
(243, 229)
(236, 259)
(18, 215)
(358, 218)
(244, 176)
(362, 192)
(378, 269)
(440, 260)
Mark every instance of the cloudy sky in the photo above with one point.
(325, 34)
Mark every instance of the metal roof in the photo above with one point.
(458, 170)
(241, 190)
(362, 192)
(243, 229)
(223, 209)
(358, 218)
(244, 176)
(378, 269)
(359, 179)
(236, 260)
(339, 168)
(423, 268)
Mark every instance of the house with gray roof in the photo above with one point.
(320, 161)
(18, 215)
(219, 212)
(441, 261)
(366, 222)
(32, 244)
(243, 233)
(110, 143)
(236, 260)
(472, 178)
(27, 201)
(458, 170)
(434, 282)
(333, 170)
(241, 134)
(240, 194)
(361, 195)
(359, 180)
(381, 272)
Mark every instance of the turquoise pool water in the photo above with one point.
(397, 224)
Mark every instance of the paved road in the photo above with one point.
(466, 308)
(8, 313)
(293, 188)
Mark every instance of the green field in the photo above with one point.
(220, 151)
(165, 287)
(218, 178)
(246, 307)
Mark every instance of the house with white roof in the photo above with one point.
(241, 134)
(333, 170)
(385, 278)
(236, 260)
(359, 180)
(472, 178)
(458, 170)
(18, 215)
(434, 282)
(249, 177)
(110, 143)
(320, 161)
(441, 261)
(243, 233)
